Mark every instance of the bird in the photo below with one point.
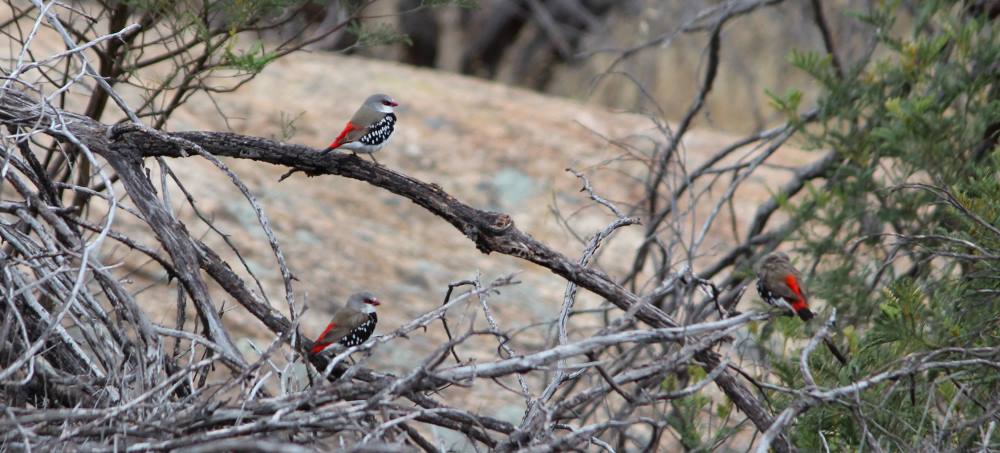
(779, 283)
(370, 128)
(352, 324)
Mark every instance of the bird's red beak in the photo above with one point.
(374, 302)
(393, 103)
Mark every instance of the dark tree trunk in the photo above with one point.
(423, 29)
(495, 30)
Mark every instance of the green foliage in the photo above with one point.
(693, 417)
(240, 14)
(244, 12)
(378, 34)
(787, 104)
(816, 64)
(684, 419)
(900, 322)
(908, 271)
(252, 60)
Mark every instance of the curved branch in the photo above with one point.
(490, 231)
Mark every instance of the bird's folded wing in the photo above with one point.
(362, 121)
(782, 288)
(354, 135)
(344, 321)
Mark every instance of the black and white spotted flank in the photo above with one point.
(379, 132)
(771, 298)
(360, 333)
(777, 301)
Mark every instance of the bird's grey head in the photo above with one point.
(773, 259)
(381, 103)
(364, 302)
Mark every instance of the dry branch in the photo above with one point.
(125, 145)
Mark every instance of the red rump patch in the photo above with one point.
(340, 138)
(793, 284)
(320, 344)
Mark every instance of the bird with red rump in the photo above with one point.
(351, 325)
(371, 127)
(780, 284)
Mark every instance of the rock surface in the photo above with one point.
(492, 146)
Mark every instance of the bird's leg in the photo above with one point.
(373, 159)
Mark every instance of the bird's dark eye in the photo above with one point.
(386, 102)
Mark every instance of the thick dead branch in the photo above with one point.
(126, 144)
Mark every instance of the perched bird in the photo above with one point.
(780, 284)
(352, 324)
(370, 128)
